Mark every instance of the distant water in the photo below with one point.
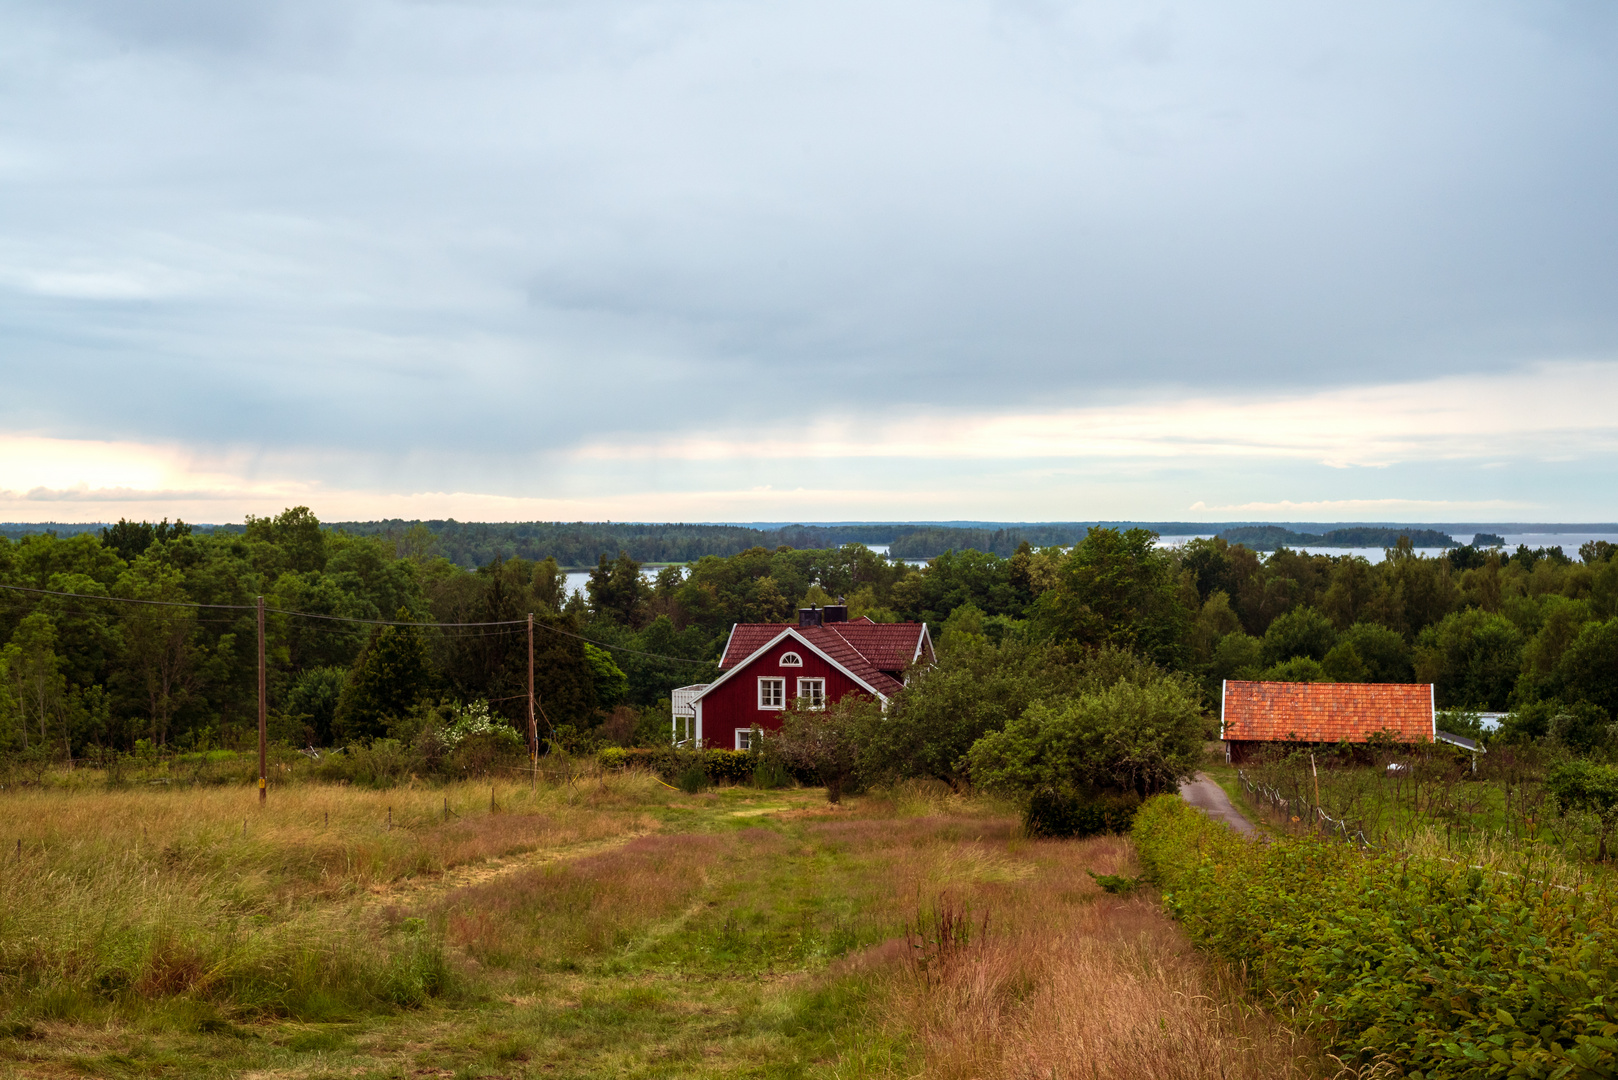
(1569, 543)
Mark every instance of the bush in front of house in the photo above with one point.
(1060, 812)
(719, 766)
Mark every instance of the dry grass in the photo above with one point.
(562, 912)
(607, 926)
(1018, 966)
(132, 895)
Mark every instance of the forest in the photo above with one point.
(85, 669)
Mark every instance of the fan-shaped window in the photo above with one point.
(791, 659)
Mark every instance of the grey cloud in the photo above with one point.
(378, 224)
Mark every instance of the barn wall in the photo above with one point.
(734, 706)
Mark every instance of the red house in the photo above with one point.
(767, 665)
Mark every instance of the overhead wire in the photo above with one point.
(516, 625)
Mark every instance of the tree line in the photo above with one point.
(1531, 630)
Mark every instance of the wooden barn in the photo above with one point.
(820, 659)
(1256, 715)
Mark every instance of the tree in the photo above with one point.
(617, 591)
(130, 540)
(1472, 659)
(826, 740)
(1297, 669)
(1592, 787)
(35, 672)
(1383, 652)
(1126, 737)
(1302, 631)
(611, 684)
(1588, 668)
(393, 674)
(312, 701)
(293, 537)
(159, 650)
(1120, 589)
(975, 688)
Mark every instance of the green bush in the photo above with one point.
(719, 766)
(1449, 971)
(1057, 812)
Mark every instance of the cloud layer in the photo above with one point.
(707, 260)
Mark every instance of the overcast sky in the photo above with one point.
(817, 261)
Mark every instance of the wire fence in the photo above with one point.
(1301, 808)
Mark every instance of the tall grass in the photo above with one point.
(1053, 978)
(118, 897)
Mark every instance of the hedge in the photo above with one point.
(721, 766)
(1447, 970)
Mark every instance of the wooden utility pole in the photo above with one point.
(1316, 774)
(533, 728)
(263, 778)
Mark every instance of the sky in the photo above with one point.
(883, 260)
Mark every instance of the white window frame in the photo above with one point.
(778, 700)
(744, 738)
(791, 659)
(816, 701)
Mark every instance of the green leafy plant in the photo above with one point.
(1447, 970)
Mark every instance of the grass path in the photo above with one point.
(736, 933)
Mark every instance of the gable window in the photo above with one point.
(813, 692)
(791, 659)
(772, 693)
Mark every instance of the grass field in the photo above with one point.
(604, 926)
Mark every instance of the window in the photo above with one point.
(813, 691)
(772, 693)
(745, 738)
(791, 659)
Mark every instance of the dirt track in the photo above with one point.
(1211, 799)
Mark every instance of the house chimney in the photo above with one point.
(809, 616)
(833, 613)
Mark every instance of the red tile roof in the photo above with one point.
(1326, 712)
(869, 650)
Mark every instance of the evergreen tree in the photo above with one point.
(392, 675)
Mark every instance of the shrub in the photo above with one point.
(1127, 736)
(718, 766)
(692, 779)
(1449, 971)
(1059, 812)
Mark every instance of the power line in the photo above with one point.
(363, 622)
(624, 648)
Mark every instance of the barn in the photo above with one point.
(821, 658)
(1256, 715)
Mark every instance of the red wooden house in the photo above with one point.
(824, 657)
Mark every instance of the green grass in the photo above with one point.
(714, 965)
(602, 925)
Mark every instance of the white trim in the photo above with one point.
(813, 679)
(728, 639)
(1432, 710)
(922, 638)
(696, 704)
(1223, 683)
(780, 679)
(792, 632)
(790, 659)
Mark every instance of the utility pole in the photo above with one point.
(533, 728)
(263, 780)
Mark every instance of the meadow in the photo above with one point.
(591, 923)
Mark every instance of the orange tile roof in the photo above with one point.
(1326, 712)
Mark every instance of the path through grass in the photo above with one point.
(609, 927)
